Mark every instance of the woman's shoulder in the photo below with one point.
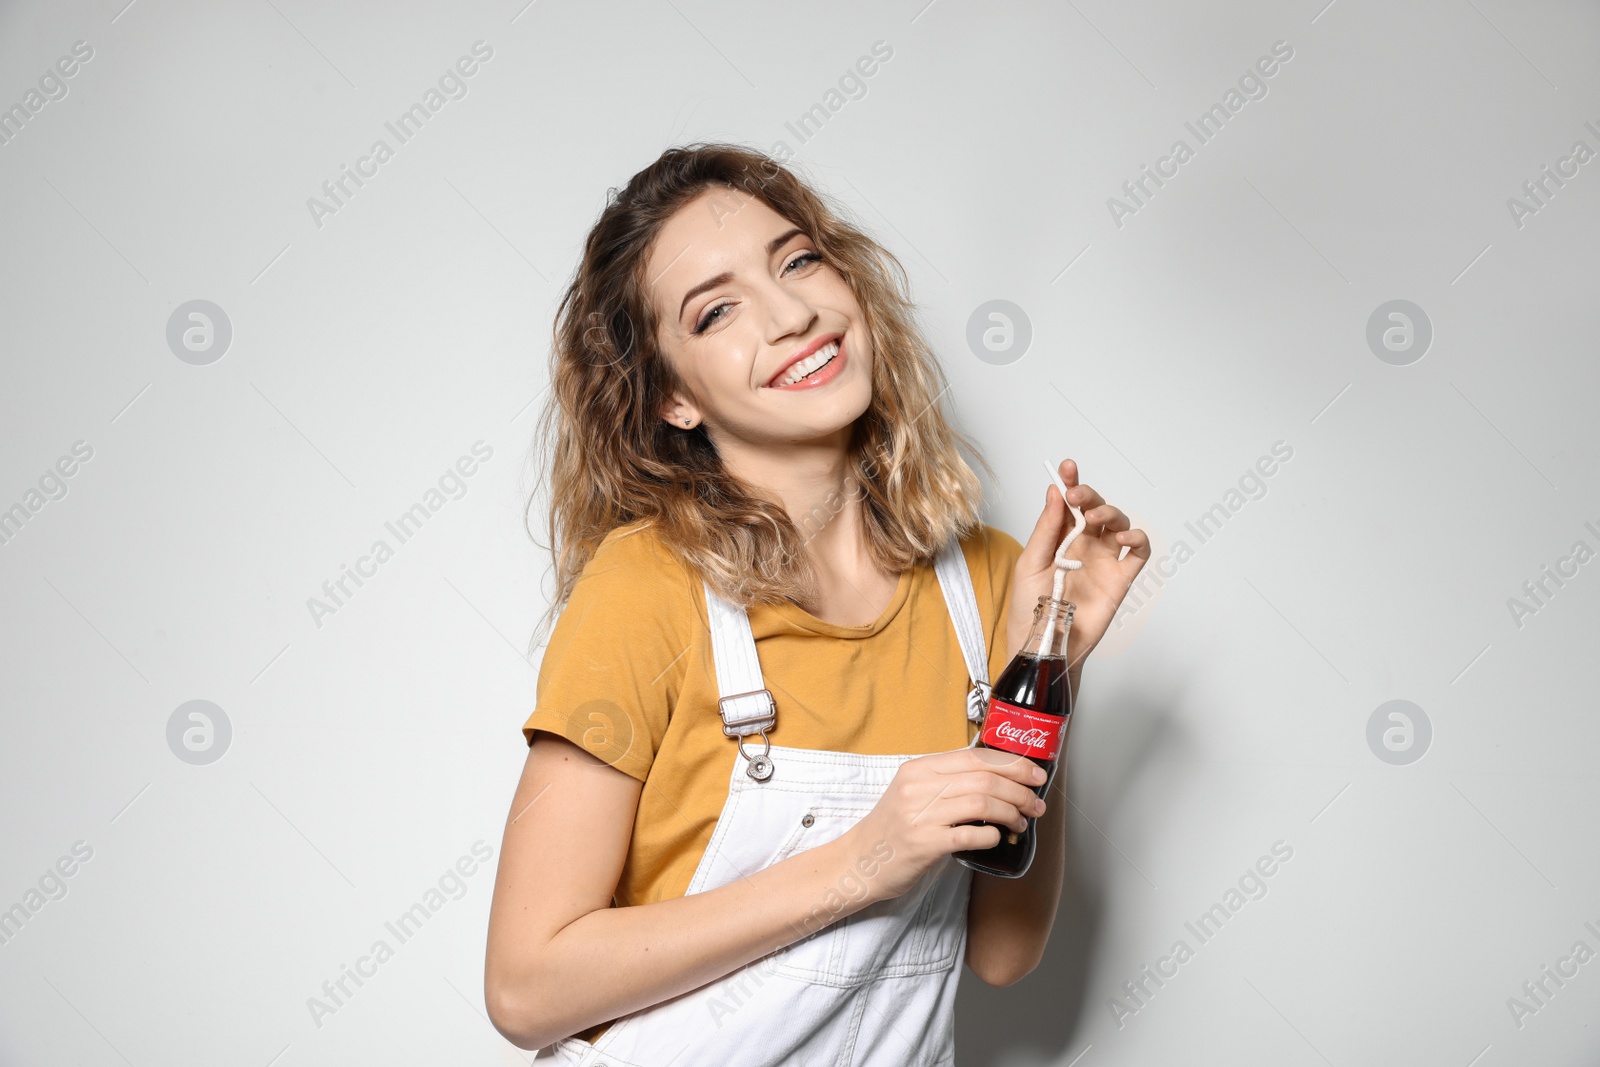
(992, 562)
(633, 559)
(636, 544)
(991, 549)
(633, 592)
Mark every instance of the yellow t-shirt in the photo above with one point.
(628, 675)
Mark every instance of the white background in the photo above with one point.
(1168, 355)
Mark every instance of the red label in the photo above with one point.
(1022, 731)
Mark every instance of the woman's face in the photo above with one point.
(740, 293)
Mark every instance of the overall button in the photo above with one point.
(808, 819)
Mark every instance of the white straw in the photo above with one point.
(1062, 563)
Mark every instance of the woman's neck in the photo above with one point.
(816, 484)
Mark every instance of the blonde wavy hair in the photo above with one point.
(614, 461)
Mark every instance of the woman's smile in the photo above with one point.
(816, 367)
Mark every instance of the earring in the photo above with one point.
(686, 422)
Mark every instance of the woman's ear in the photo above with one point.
(680, 413)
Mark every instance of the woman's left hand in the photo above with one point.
(1097, 588)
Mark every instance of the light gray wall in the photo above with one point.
(1173, 346)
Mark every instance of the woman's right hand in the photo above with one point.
(922, 815)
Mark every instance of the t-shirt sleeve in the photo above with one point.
(613, 667)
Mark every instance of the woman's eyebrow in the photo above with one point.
(726, 276)
(781, 240)
(709, 283)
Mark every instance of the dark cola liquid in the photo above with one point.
(1038, 683)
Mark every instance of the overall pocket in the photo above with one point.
(915, 933)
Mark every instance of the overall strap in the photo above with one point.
(746, 705)
(956, 582)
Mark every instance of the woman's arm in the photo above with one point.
(1009, 919)
(560, 958)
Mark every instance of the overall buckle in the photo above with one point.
(748, 716)
(744, 714)
(978, 700)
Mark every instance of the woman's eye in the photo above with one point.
(813, 256)
(709, 317)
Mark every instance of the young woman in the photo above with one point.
(728, 845)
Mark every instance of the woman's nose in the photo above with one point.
(788, 313)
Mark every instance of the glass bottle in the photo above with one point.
(1027, 716)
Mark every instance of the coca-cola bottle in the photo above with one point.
(1027, 716)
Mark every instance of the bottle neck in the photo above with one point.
(1052, 619)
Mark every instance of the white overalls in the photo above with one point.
(876, 989)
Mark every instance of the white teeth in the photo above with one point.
(811, 364)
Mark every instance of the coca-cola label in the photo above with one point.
(1022, 730)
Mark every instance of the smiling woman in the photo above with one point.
(753, 734)
(677, 354)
